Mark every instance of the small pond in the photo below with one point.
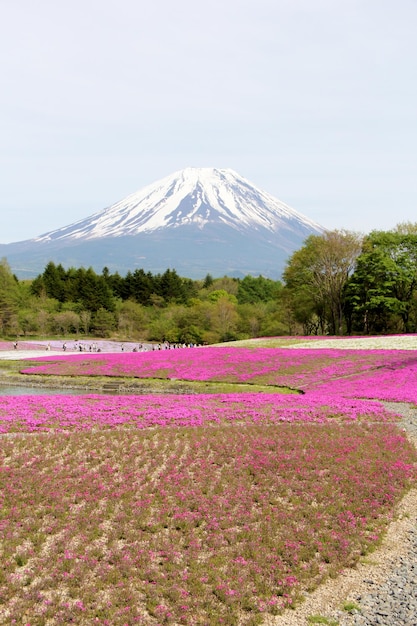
(14, 390)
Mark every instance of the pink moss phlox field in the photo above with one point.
(379, 374)
(274, 366)
(86, 412)
(202, 508)
(191, 526)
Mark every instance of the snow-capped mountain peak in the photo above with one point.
(197, 221)
(190, 197)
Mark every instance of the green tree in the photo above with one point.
(85, 321)
(162, 328)
(9, 298)
(381, 293)
(116, 283)
(51, 282)
(222, 294)
(199, 314)
(275, 321)
(28, 321)
(225, 318)
(316, 276)
(103, 323)
(253, 289)
(139, 286)
(173, 288)
(251, 319)
(208, 281)
(67, 322)
(132, 318)
(92, 291)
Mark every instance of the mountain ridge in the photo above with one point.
(199, 220)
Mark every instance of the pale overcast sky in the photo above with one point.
(314, 101)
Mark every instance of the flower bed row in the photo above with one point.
(380, 374)
(62, 413)
(189, 526)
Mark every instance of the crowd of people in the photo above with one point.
(109, 346)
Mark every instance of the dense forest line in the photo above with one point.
(336, 283)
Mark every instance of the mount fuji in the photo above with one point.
(197, 221)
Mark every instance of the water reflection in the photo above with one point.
(38, 391)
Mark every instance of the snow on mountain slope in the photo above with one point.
(193, 196)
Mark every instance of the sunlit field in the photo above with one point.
(205, 509)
